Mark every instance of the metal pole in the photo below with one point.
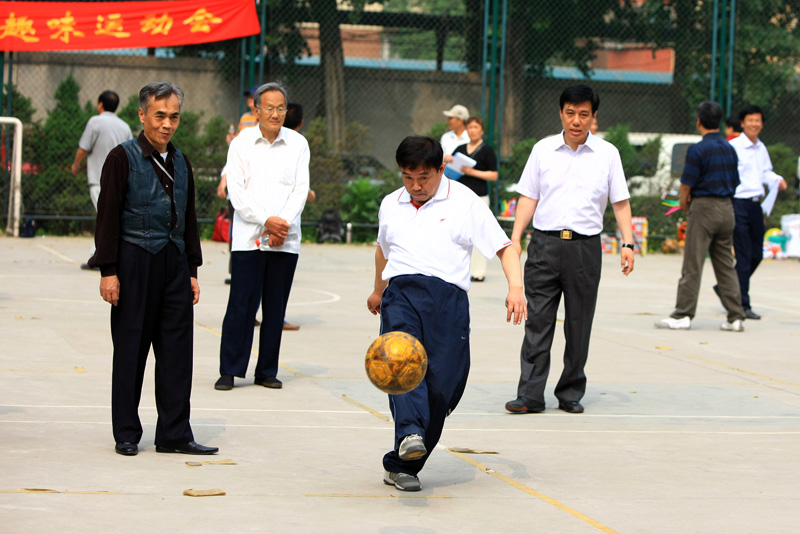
(6, 169)
(263, 40)
(251, 65)
(499, 141)
(722, 51)
(731, 48)
(484, 56)
(493, 73)
(714, 37)
(15, 205)
(242, 83)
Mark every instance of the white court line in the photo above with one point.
(454, 416)
(332, 297)
(57, 253)
(383, 428)
(68, 301)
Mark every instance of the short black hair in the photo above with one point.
(417, 151)
(733, 122)
(294, 115)
(752, 110)
(578, 94)
(709, 114)
(110, 100)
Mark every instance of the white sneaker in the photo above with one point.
(411, 448)
(684, 323)
(735, 326)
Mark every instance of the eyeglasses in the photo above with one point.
(269, 111)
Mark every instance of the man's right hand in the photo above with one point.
(374, 303)
(109, 289)
(75, 168)
(277, 227)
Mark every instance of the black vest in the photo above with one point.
(147, 215)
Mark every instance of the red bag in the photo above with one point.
(222, 227)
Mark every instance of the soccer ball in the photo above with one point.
(396, 363)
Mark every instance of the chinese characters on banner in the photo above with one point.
(52, 26)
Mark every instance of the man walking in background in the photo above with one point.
(708, 183)
(457, 134)
(755, 171)
(103, 132)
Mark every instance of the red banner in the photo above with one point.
(52, 26)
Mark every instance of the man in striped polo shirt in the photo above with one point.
(708, 183)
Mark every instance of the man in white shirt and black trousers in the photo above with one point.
(565, 187)
(268, 186)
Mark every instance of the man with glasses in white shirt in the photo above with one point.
(564, 188)
(268, 182)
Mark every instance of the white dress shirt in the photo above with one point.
(437, 239)
(264, 180)
(450, 141)
(102, 133)
(755, 168)
(573, 188)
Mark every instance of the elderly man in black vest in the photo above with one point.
(148, 251)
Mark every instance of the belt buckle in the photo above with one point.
(566, 234)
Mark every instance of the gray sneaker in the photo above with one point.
(735, 326)
(401, 481)
(412, 447)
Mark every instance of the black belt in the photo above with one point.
(564, 234)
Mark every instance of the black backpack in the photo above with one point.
(330, 227)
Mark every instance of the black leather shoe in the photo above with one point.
(269, 382)
(225, 383)
(570, 406)
(750, 314)
(188, 448)
(126, 448)
(524, 405)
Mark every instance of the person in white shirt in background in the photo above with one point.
(268, 181)
(565, 188)
(755, 171)
(457, 134)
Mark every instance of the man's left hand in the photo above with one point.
(195, 290)
(626, 260)
(782, 185)
(516, 305)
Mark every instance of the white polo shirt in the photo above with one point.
(573, 187)
(755, 167)
(264, 180)
(450, 141)
(103, 132)
(437, 239)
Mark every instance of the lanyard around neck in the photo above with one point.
(162, 168)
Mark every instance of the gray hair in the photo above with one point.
(272, 86)
(159, 90)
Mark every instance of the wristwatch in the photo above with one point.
(629, 245)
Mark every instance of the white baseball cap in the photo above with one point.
(457, 111)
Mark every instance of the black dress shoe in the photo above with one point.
(570, 406)
(225, 383)
(188, 448)
(524, 405)
(269, 382)
(126, 448)
(750, 314)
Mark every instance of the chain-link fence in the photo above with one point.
(368, 74)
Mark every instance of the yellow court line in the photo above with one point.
(530, 491)
(376, 413)
(744, 371)
(549, 500)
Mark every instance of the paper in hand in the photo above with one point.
(453, 170)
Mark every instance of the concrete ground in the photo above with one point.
(684, 431)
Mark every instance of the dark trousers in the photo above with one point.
(256, 276)
(555, 267)
(437, 314)
(748, 243)
(155, 308)
(709, 231)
